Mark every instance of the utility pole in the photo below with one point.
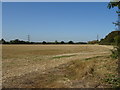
(97, 37)
(28, 38)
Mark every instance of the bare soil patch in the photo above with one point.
(56, 66)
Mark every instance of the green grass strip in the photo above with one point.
(64, 56)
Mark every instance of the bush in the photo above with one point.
(93, 42)
(115, 52)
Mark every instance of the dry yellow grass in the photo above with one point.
(34, 62)
(23, 50)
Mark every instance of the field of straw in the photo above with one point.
(57, 66)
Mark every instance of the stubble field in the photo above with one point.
(56, 66)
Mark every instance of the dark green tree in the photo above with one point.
(70, 42)
(2, 41)
(16, 41)
(113, 4)
(62, 42)
(56, 42)
(43, 42)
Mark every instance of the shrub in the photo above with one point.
(114, 53)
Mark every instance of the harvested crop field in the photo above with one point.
(57, 66)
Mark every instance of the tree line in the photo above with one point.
(17, 41)
(111, 39)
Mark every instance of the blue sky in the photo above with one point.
(62, 21)
(1, 20)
